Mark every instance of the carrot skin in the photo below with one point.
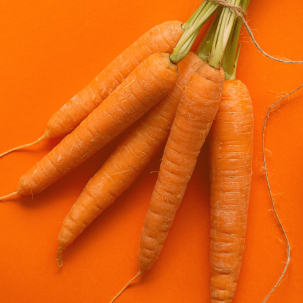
(148, 84)
(195, 113)
(231, 145)
(128, 160)
(160, 39)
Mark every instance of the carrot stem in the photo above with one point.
(230, 54)
(224, 29)
(205, 46)
(25, 145)
(194, 16)
(10, 195)
(128, 283)
(192, 28)
(233, 75)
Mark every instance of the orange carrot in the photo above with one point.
(147, 85)
(231, 146)
(160, 39)
(128, 160)
(195, 113)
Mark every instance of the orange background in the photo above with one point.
(49, 50)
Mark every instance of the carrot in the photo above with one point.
(231, 147)
(160, 39)
(231, 144)
(142, 89)
(195, 113)
(127, 161)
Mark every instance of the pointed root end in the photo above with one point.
(59, 258)
(7, 196)
(128, 283)
(44, 136)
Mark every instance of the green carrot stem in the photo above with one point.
(233, 75)
(228, 60)
(224, 29)
(192, 28)
(245, 4)
(194, 16)
(205, 46)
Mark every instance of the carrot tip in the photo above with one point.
(59, 258)
(10, 195)
(25, 145)
(121, 291)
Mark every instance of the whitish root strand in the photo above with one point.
(10, 195)
(25, 145)
(59, 258)
(134, 278)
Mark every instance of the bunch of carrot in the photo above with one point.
(176, 98)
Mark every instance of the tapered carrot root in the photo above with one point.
(195, 113)
(231, 145)
(148, 84)
(44, 136)
(128, 283)
(160, 39)
(8, 196)
(127, 161)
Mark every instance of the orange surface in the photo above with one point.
(49, 51)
